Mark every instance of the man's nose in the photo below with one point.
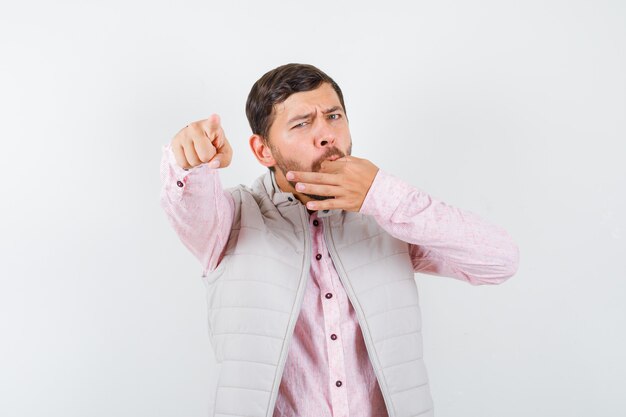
(326, 141)
(324, 135)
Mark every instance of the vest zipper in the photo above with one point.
(369, 345)
(299, 298)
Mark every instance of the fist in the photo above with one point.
(202, 142)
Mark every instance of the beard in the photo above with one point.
(285, 165)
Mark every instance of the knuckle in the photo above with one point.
(205, 154)
(184, 164)
(187, 140)
(191, 129)
(194, 130)
(180, 137)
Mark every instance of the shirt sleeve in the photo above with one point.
(197, 207)
(443, 240)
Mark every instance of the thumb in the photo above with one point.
(223, 157)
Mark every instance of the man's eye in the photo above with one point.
(334, 116)
(299, 125)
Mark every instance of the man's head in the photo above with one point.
(298, 120)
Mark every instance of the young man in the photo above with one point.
(313, 306)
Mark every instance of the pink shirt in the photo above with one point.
(328, 372)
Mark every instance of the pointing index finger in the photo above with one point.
(212, 125)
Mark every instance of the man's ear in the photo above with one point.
(262, 151)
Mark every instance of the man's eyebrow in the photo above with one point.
(332, 109)
(308, 115)
(299, 117)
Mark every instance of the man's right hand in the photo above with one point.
(202, 142)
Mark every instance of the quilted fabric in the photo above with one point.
(255, 294)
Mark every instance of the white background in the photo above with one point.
(515, 110)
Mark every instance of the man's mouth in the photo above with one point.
(332, 155)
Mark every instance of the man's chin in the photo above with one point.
(311, 196)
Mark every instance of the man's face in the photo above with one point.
(309, 128)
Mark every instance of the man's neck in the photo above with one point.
(286, 187)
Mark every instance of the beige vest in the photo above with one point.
(255, 294)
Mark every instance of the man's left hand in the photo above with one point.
(347, 179)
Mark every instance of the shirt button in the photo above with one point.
(338, 383)
(333, 336)
(318, 256)
(329, 295)
(316, 223)
(179, 183)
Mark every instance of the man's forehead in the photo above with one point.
(308, 101)
(283, 110)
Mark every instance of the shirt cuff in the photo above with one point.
(385, 195)
(176, 177)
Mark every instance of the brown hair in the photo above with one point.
(276, 86)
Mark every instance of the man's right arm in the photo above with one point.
(197, 207)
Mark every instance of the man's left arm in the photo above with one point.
(443, 240)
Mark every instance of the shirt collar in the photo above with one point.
(280, 198)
